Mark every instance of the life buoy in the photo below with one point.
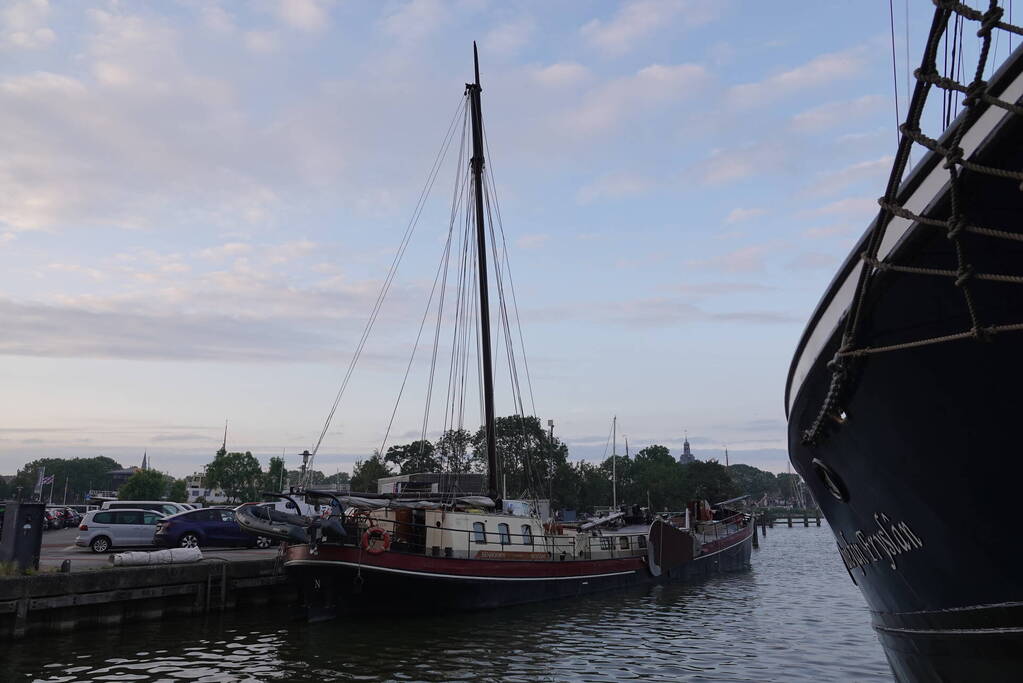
(376, 540)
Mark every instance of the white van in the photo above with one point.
(102, 530)
(164, 507)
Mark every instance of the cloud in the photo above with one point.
(560, 75)
(720, 288)
(835, 181)
(820, 70)
(508, 38)
(638, 19)
(725, 166)
(850, 206)
(834, 114)
(739, 215)
(658, 312)
(226, 250)
(607, 104)
(745, 260)
(416, 19)
(262, 42)
(532, 241)
(303, 15)
(614, 186)
(828, 231)
(23, 25)
(813, 260)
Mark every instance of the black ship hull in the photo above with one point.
(334, 584)
(927, 457)
(916, 460)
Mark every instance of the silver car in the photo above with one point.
(102, 530)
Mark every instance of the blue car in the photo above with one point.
(205, 527)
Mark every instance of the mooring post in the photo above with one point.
(756, 542)
(818, 518)
(806, 519)
(763, 526)
(790, 520)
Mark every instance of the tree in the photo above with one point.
(178, 491)
(527, 458)
(454, 455)
(366, 473)
(273, 480)
(238, 474)
(144, 485)
(708, 480)
(657, 478)
(413, 457)
(81, 474)
(752, 481)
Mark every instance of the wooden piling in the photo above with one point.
(818, 518)
(790, 520)
(806, 519)
(756, 543)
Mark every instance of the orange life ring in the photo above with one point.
(376, 540)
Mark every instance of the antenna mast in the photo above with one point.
(476, 165)
(614, 462)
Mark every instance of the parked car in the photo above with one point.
(72, 517)
(102, 530)
(206, 527)
(164, 507)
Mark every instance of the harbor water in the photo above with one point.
(794, 616)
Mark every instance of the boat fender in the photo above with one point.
(375, 540)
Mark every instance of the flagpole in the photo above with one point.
(65, 490)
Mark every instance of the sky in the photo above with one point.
(199, 202)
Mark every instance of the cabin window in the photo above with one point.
(623, 542)
(606, 543)
(479, 532)
(527, 534)
(504, 533)
(642, 541)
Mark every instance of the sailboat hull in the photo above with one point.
(342, 578)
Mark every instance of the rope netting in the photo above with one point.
(947, 33)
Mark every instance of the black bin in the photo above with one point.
(22, 535)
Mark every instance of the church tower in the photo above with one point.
(687, 455)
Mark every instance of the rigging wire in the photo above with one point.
(895, 72)
(388, 280)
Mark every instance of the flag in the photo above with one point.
(48, 480)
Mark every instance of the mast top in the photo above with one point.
(476, 63)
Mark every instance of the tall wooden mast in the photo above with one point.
(476, 164)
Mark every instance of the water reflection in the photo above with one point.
(793, 617)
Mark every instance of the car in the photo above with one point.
(214, 526)
(102, 530)
(164, 507)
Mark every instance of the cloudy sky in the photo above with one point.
(199, 203)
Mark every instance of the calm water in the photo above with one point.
(795, 616)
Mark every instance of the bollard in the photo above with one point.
(806, 520)
(818, 518)
(790, 520)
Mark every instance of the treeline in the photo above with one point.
(530, 460)
(73, 478)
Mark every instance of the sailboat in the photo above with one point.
(903, 396)
(429, 552)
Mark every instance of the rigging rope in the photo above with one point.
(392, 271)
(957, 223)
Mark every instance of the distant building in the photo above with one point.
(197, 489)
(469, 484)
(687, 455)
